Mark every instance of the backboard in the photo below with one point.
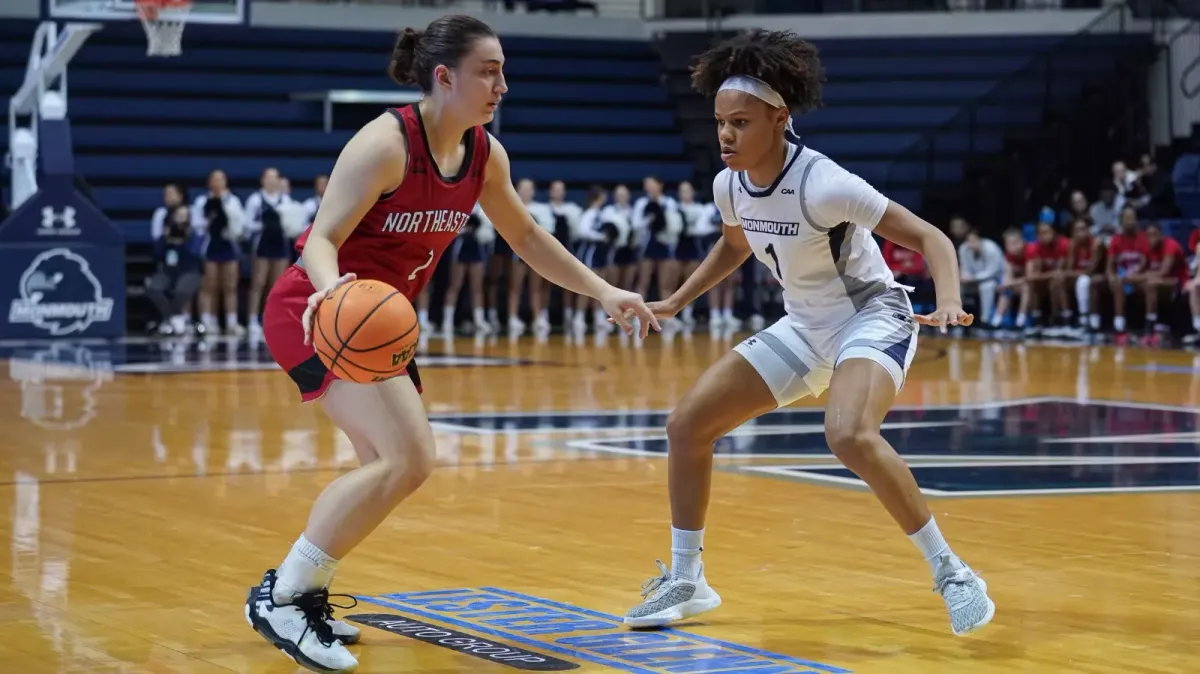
(203, 11)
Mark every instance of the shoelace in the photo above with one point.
(316, 610)
(656, 582)
(329, 606)
(954, 587)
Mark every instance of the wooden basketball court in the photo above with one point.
(145, 489)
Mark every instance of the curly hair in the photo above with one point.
(782, 59)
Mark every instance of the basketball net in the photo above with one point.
(163, 21)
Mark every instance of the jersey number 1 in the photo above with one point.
(771, 252)
(413, 275)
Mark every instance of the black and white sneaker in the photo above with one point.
(304, 629)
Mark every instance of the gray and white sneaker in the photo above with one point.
(965, 595)
(669, 597)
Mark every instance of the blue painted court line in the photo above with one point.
(749, 650)
(524, 641)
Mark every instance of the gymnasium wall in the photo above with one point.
(373, 17)
(380, 17)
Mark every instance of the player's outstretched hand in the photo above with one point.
(947, 314)
(623, 306)
(314, 301)
(662, 309)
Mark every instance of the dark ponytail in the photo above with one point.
(404, 57)
(443, 42)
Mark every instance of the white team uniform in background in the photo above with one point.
(812, 230)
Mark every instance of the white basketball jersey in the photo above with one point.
(812, 229)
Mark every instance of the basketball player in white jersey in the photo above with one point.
(849, 329)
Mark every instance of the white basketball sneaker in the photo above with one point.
(965, 595)
(670, 597)
(304, 629)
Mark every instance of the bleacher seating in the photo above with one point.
(885, 98)
(583, 111)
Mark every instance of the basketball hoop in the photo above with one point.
(163, 21)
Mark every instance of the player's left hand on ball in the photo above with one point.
(947, 314)
(623, 306)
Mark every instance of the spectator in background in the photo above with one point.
(1127, 255)
(1192, 287)
(1085, 269)
(1105, 214)
(273, 221)
(172, 196)
(657, 224)
(1157, 189)
(217, 215)
(566, 216)
(1016, 256)
(597, 238)
(958, 230)
(1077, 207)
(1166, 273)
(177, 276)
(982, 269)
(544, 218)
(625, 256)
(467, 255)
(1124, 182)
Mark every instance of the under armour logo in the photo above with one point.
(66, 218)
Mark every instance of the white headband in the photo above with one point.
(757, 88)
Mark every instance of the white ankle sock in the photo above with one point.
(305, 569)
(931, 544)
(685, 552)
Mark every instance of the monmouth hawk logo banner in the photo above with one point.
(60, 294)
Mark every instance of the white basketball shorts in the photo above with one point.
(797, 362)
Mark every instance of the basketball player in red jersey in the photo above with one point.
(398, 195)
(1046, 259)
(1016, 253)
(1127, 253)
(1085, 269)
(1166, 273)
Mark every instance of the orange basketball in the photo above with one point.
(366, 331)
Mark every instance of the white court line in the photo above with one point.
(515, 414)
(459, 418)
(811, 473)
(602, 444)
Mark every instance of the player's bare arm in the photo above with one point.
(901, 226)
(545, 254)
(371, 164)
(730, 251)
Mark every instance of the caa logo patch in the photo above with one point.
(60, 294)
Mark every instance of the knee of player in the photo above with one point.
(685, 430)
(410, 470)
(849, 437)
